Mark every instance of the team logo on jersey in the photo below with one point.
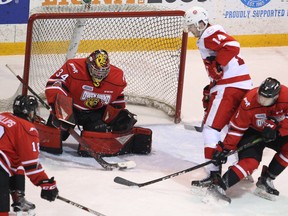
(92, 102)
(247, 103)
(255, 3)
(74, 69)
(105, 98)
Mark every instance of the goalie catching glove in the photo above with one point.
(49, 189)
(119, 120)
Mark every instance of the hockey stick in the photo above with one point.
(80, 206)
(126, 182)
(28, 87)
(106, 165)
(196, 128)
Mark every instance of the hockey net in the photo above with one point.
(146, 42)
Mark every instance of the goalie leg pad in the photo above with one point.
(50, 138)
(106, 144)
(142, 143)
(137, 141)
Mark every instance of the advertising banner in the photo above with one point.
(14, 11)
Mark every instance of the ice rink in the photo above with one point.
(83, 181)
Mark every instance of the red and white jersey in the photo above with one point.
(216, 42)
(19, 149)
(73, 80)
(251, 114)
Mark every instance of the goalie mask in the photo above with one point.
(268, 92)
(98, 65)
(196, 20)
(25, 107)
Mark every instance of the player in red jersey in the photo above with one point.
(229, 80)
(262, 113)
(19, 151)
(96, 88)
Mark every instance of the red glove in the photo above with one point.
(213, 68)
(206, 97)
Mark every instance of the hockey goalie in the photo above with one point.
(89, 92)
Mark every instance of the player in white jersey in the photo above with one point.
(229, 80)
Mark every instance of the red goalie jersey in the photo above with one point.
(251, 114)
(73, 80)
(19, 149)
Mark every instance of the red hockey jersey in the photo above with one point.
(73, 80)
(251, 114)
(19, 149)
(216, 42)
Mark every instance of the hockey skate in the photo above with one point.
(216, 192)
(265, 187)
(21, 206)
(216, 196)
(206, 182)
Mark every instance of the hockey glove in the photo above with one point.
(220, 154)
(213, 68)
(49, 189)
(206, 97)
(124, 122)
(270, 130)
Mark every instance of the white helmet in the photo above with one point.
(196, 14)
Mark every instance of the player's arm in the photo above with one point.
(58, 83)
(28, 151)
(225, 46)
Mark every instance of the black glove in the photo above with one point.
(124, 121)
(49, 189)
(220, 154)
(270, 130)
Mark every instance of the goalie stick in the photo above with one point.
(126, 182)
(106, 165)
(80, 206)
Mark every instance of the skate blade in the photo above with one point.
(216, 198)
(211, 200)
(263, 194)
(21, 213)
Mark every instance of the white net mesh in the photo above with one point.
(145, 46)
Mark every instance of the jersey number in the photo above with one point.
(35, 147)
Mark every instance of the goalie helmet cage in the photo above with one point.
(147, 43)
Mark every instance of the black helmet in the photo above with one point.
(23, 106)
(269, 89)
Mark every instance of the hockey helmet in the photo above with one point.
(194, 16)
(98, 64)
(268, 91)
(25, 106)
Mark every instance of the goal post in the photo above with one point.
(147, 43)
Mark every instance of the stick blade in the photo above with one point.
(192, 127)
(125, 182)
